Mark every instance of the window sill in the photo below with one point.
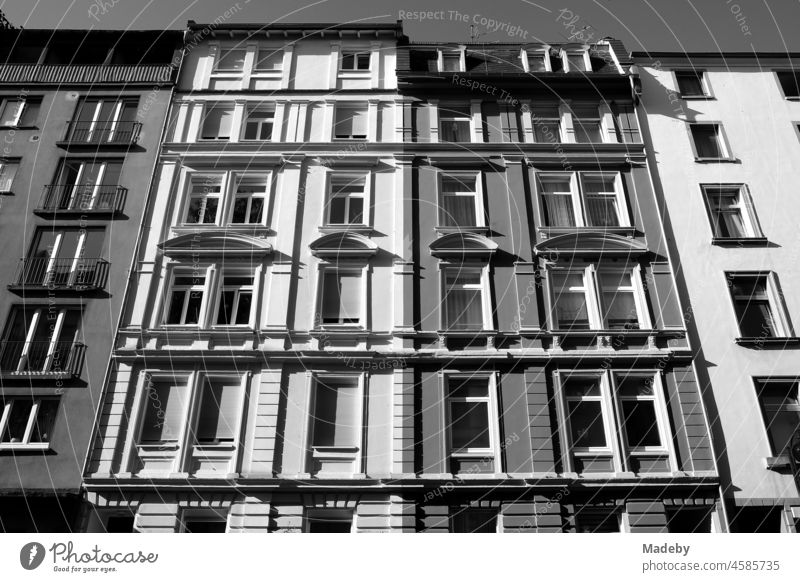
(772, 342)
(350, 139)
(717, 160)
(453, 229)
(628, 231)
(360, 228)
(222, 446)
(698, 97)
(18, 127)
(779, 462)
(355, 74)
(156, 447)
(754, 241)
(23, 447)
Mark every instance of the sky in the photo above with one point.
(643, 25)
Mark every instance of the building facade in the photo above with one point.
(386, 286)
(81, 121)
(723, 132)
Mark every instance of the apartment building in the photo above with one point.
(81, 116)
(723, 133)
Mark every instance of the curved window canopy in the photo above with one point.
(591, 243)
(215, 243)
(463, 244)
(343, 245)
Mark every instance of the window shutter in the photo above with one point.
(510, 124)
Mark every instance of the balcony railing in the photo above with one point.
(73, 274)
(89, 74)
(103, 133)
(41, 358)
(82, 198)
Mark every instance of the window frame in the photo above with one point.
(493, 421)
(222, 288)
(315, 513)
(258, 106)
(230, 189)
(723, 145)
(746, 206)
(444, 113)
(355, 52)
(7, 405)
(357, 106)
(279, 50)
(195, 408)
(480, 212)
(525, 57)
(189, 195)
(578, 198)
(659, 407)
(5, 164)
(567, 66)
(777, 305)
(704, 84)
(207, 107)
(450, 51)
(759, 383)
(346, 267)
(178, 270)
(223, 51)
(333, 176)
(599, 120)
(24, 101)
(200, 514)
(484, 286)
(559, 120)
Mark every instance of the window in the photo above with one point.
(259, 123)
(455, 123)
(205, 191)
(781, 409)
(587, 123)
(39, 340)
(105, 121)
(355, 61)
(460, 205)
(185, 299)
(204, 522)
(340, 296)
(218, 418)
(124, 523)
(509, 124)
(586, 414)
(758, 305)
(19, 112)
(538, 61)
(337, 408)
(217, 122)
(790, 83)
(708, 141)
(68, 257)
(731, 211)
(759, 519)
(8, 170)
(625, 123)
(598, 298)
(597, 521)
(351, 122)
(450, 61)
(689, 519)
(546, 120)
(691, 83)
(269, 59)
(85, 185)
(27, 422)
(231, 59)
(639, 412)
(329, 521)
(346, 200)
(599, 203)
(165, 403)
(470, 520)
(470, 420)
(250, 199)
(235, 300)
(576, 61)
(463, 299)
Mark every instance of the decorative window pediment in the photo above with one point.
(463, 244)
(215, 243)
(591, 243)
(343, 245)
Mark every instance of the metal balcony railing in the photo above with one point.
(86, 198)
(86, 74)
(38, 358)
(77, 274)
(103, 133)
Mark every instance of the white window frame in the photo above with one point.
(191, 177)
(355, 52)
(559, 120)
(237, 289)
(5, 414)
(778, 309)
(23, 103)
(450, 51)
(704, 84)
(745, 205)
(234, 179)
(352, 106)
(565, 54)
(7, 185)
(195, 406)
(578, 195)
(323, 270)
(722, 142)
(636, 289)
(493, 418)
(587, 289)
(480, 217)
(525, 56)
(484, 287)
(444, 114)
(600, 120)
(182, 271)
(662, 417)
(265, 107)
(208, 106)
(334, 176)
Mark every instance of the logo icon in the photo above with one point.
(31, 555)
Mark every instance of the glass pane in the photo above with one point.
(640, 424)
(587, 131)
(546, 131)
(243, 311)
(464, 309)
(469, 425)
(239, 211)
(571, 310)
(469, 387)
(17, 421)
(218, 416)
(451, 62)
(331, 524)
(163, 412)
(256, 210)
(348, 61)
(204, 526)
(193, 308)
(45, 419)
(619, 303)
(458, 211)
(596, 522)
(586, 423)
(706, 141)
(781, 426)
(755, 318)
(8, 116)
(225, 312)
(576, 62)
(30, 113)
(335, 422)
(455, 131)
(355, 215)
(176, 306)
(210, 214)
(338, 206)
(690, 84)
(269, 60)
(231, 60)
(635, 386)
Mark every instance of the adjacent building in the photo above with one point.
(81, 118)
(723, 134)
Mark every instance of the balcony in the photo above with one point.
(102, 134)
(72, 275)
(41, 359)
(65, 200)
(86, 74)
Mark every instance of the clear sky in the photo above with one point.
(643, 25)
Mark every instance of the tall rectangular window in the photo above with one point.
(164, 411)
(586, 413)
(570, 302)
(587, 124)
(781, 409)
(105, 121)
(350, 122)
(618, 299)
(259, 122)
(19, 112)
(731, 211)
(455, 123)
(217, 122)
(8, 171)
(470, 418)
(341, 296)
(759, 307)
(708, 141)
(336, 422)
(185, 300)
(236, 300)
(690, 83)
(602, 200)
(355, 61)
(546, 121)
(558, 199)
(250, 198)
(463, 299)
(218, 417)
(26, 421)
(346, 201)
(205, 192)
(639, 412)
(460, 204)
